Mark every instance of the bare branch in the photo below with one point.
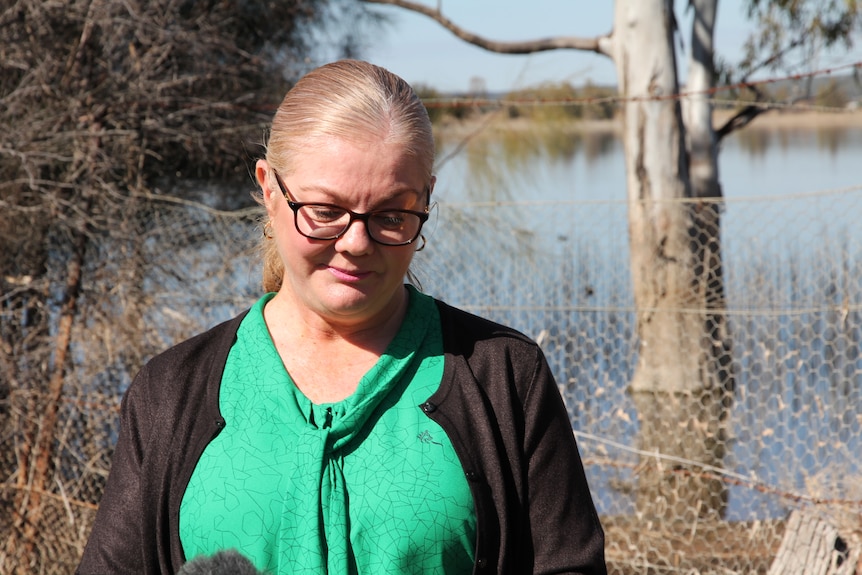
(773, 58)
(739, 120)
(745, 116)
(526, 47)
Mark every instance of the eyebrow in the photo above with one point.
(333, 197)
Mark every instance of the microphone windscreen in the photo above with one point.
(228, 562)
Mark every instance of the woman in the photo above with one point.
(348, 423)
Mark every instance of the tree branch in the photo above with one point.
(750, 112)
(526, 47)
(739, 121)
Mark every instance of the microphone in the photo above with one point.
(227, 562)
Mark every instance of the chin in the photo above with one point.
(354, 301)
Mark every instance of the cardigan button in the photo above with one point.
(429, 407)
(481, 563)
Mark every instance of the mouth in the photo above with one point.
(348, 275)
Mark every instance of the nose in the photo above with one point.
(355, 239)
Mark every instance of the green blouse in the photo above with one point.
(366, 485)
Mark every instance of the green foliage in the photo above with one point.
(601, 104)
(789, 38)
(556, 102)
(790, 31)
(545, 103)
(441, 106)
(430, 97)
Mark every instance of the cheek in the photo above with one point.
(402, 258)
(295, 248)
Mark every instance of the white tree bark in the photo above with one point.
(657, 182)
(673, 385)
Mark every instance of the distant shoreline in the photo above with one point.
(780, 119)
(772, 120)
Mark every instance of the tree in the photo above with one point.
(789, 37)
(102, 103)
(684, 378)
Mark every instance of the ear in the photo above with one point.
(431, 187)
(268, 186)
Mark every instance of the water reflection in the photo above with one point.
(492, 160)
(832, 140)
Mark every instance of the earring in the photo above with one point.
(422, 247)
(267, 230)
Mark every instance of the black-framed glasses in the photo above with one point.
(330, 222)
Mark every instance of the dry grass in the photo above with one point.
(793, 119)
(643, 547)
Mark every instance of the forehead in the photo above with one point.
(370, 167)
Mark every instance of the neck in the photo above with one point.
(286, 318)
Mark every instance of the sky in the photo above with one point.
(423, 52)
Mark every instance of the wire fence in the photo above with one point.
(723, 94)
(794, 312)
(793, 283)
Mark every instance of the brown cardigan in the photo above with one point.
(498, 403)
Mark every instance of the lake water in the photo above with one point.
(753, 163)
(532, 231)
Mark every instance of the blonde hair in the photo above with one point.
(352, 100)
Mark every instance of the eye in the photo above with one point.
(323, 213)
(389, 220)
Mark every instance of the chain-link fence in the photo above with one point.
(558, 271)
(792, 269)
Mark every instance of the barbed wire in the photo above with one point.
(478, 102)
(624, 201)
(768, 198)
(708, 471)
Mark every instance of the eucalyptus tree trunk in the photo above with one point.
(675, 372)
(719, 378)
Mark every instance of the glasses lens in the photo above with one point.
(394, 227)
(322, 222)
